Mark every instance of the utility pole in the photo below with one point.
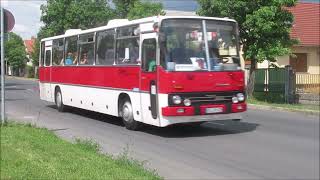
(2, 69)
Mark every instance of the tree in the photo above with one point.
(15, 52)
(60, 15)
(264, 27)
(135, 9)
(145, 9)
(35, 53)
(123, 7)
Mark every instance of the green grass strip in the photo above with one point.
(299, 107)
(36, 153)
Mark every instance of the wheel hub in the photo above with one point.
(58, 99)
(126, 112)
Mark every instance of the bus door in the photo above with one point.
(148, 78)
(47, 70)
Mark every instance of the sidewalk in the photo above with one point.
(22, 78)
(275, 107)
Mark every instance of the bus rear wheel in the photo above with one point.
(58, 100)
(127, 116)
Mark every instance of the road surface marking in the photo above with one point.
(28, 117)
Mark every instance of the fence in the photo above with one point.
(275, 84)
(308, 83)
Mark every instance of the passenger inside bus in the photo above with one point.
(84, 59)
(69, 59)
(151, 61)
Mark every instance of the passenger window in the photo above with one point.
(57, 52)
(128, 45)
(41, 63)
(105, 48)
(86, 49)
(149, 55)
(48, 58)
(71, 51)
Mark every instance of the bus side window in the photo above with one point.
(105, 48)
(48, 58)
(86, 49)
(127, 51)
(41, 63)
(57, 52)
(149, 55)
(71, 51)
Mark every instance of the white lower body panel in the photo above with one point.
(92, 98)
(105, 101)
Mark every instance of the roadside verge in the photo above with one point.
(274, 107)
(22, 78)
(37, 153)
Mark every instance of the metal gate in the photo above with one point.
(276, 80)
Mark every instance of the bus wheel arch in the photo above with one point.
(125, 111)
(58, 99)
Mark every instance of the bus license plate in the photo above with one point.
(214, 110)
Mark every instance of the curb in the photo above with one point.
(264, 107)
(22, 78)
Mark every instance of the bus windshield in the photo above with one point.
(184, 47)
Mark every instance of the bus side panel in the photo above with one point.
(97, 99)
(145, 109)
(44, 84)
(116, 77)
(98, 88)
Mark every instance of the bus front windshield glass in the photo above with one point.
(183, 46)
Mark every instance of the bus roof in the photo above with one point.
(124, 22)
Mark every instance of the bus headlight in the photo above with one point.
(240, 97)
(187, 102)
(235, 99)
(176, 99)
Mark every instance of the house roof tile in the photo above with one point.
(306, 23)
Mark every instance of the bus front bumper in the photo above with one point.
(168, 120)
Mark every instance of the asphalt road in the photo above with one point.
(265, 145)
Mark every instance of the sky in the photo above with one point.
(27, 16)
(27, 13)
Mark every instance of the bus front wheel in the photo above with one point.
(127, 116)
(58, 100)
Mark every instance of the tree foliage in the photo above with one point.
(264, 27)
(135, 9)
(35, 53)
(122, 7)
(60, 15)
(15, 51)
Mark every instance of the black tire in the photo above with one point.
(126, 113)
(58, 100)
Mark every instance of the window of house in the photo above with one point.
(299, 62)
(105, 48)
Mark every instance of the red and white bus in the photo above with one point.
(158, 70)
